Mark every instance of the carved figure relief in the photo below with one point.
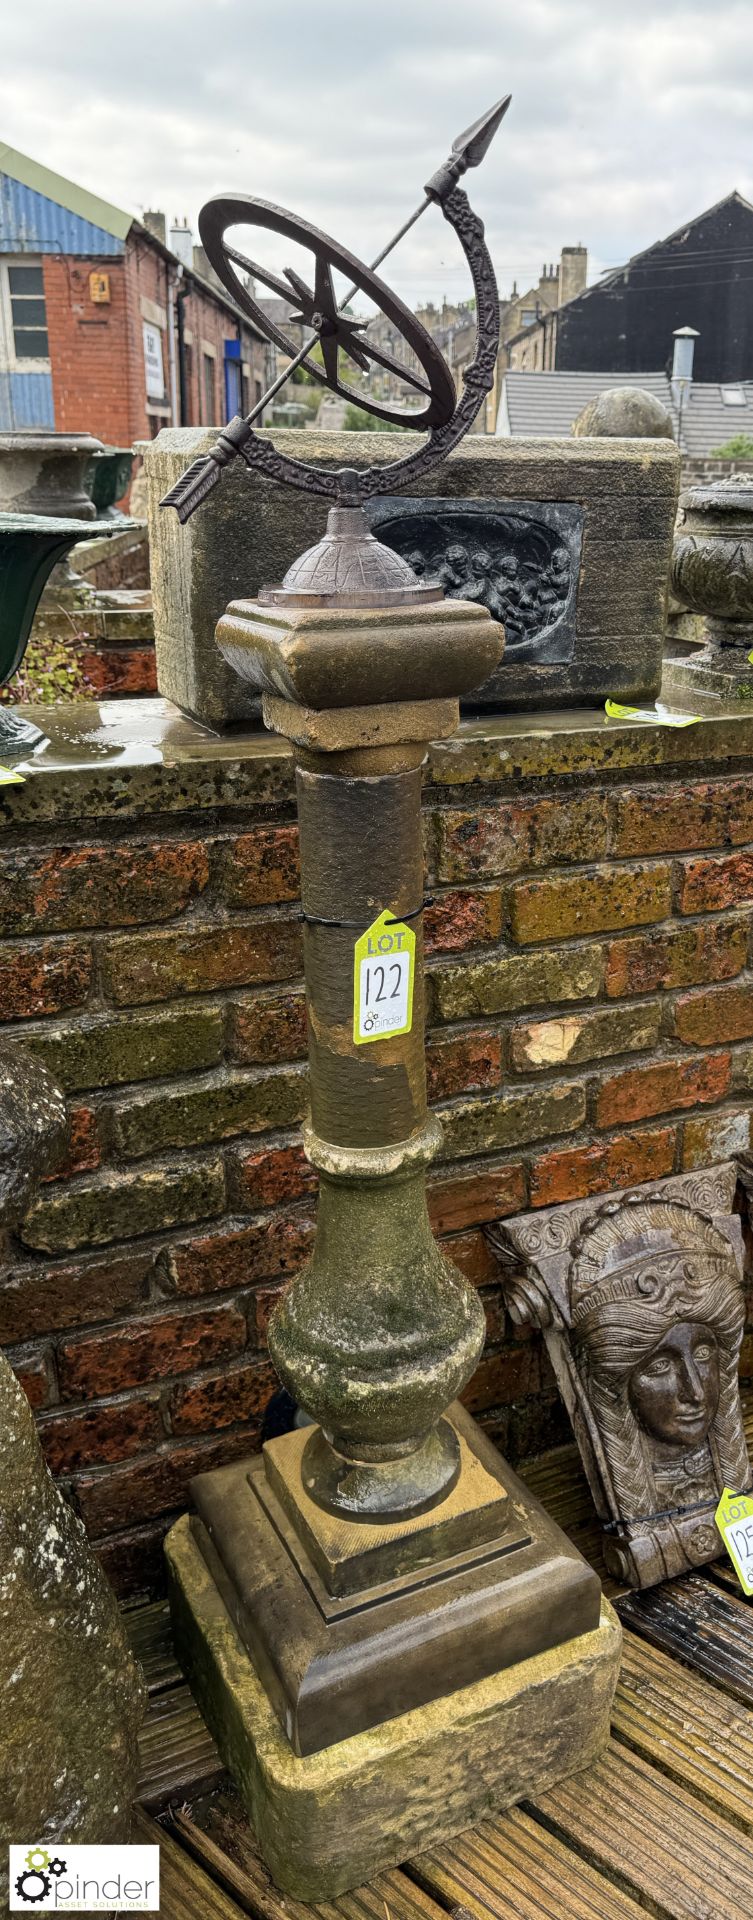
(521, 560)
(640, 1298)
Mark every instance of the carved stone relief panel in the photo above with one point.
(521, 559)
(640, 1299)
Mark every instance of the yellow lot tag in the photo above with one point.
(734, 1518)
(8, 778)
(658, 716)
(385, 963)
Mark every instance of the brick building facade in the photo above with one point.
(590, 1024)
(102, 326)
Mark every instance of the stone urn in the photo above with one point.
(712, 559)
(46, 473)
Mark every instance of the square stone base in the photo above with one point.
(333, 1819)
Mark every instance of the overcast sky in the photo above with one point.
(626, 118)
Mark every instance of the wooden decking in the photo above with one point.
(663, 1825)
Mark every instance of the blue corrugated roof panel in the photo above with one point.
(25, 401)
(30, 223)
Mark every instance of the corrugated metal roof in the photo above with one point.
(544, 405)
(97, 214)
(30, 223)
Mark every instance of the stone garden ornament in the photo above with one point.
(386, 1633)
(71, 1699)
(640, 1300)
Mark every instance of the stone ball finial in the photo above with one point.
(624, 413)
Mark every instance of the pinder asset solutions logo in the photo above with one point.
(73, 1879)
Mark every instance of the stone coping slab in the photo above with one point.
(121, 758)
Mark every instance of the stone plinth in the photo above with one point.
(618, 498)
(333, 1819)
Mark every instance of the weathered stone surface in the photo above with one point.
(70, 1695)
(248, 535)
(579, 903)
(332, 1820)
(32, 1130)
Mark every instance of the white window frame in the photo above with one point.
(10, 361)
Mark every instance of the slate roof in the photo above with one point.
(544, 405)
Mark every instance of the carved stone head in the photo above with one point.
(657, 1318)
(641, 1303)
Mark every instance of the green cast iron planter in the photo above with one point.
(109, 477)
(30, 546)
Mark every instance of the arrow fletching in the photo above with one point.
(472, 146)
(192, 487)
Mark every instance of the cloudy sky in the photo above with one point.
(626, 119)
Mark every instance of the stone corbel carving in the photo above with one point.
(640, 1300)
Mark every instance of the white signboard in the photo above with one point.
(155, 375)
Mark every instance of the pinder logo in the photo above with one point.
(76, 1879)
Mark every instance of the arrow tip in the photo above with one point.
(472, 146)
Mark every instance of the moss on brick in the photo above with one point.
(578, 903)
(508, 982)
(107, 1052)
(210, 1110)
(481, 1126)
(120, 1206)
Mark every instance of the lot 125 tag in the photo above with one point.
(384, 968)
(734, 1518)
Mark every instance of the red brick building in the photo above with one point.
(103, 326)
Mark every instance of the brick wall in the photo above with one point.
(590, 1024)
(97, 350)
(697, 473)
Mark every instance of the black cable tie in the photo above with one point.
(317, 919)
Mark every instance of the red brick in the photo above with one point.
(679, 957)
(457, 921)
(134, 1561)
(76, 887)
(95, 1364)
(33, 1374)
(501, 1378)
(268, 1175)
(266, 1300)
(653, 821)
(571, 1038)
(45, 1299)
(707, 886)
(224, 1261)
(579, 903)
(493, 841)
(121, 670)
(463, 1061)
(662, 1087)
(471, 1253)
(574, 1173)
(48, 978)
(262, 868)
(469, 1199)
(109, 1431)
(268, 1029)
(163, 965)
(705, 1019)
(139, 1490)
(83, 1152)
(222, 1399)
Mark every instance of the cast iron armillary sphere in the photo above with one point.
(445, 417)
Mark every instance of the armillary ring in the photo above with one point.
(444, 416)
(318, 309)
